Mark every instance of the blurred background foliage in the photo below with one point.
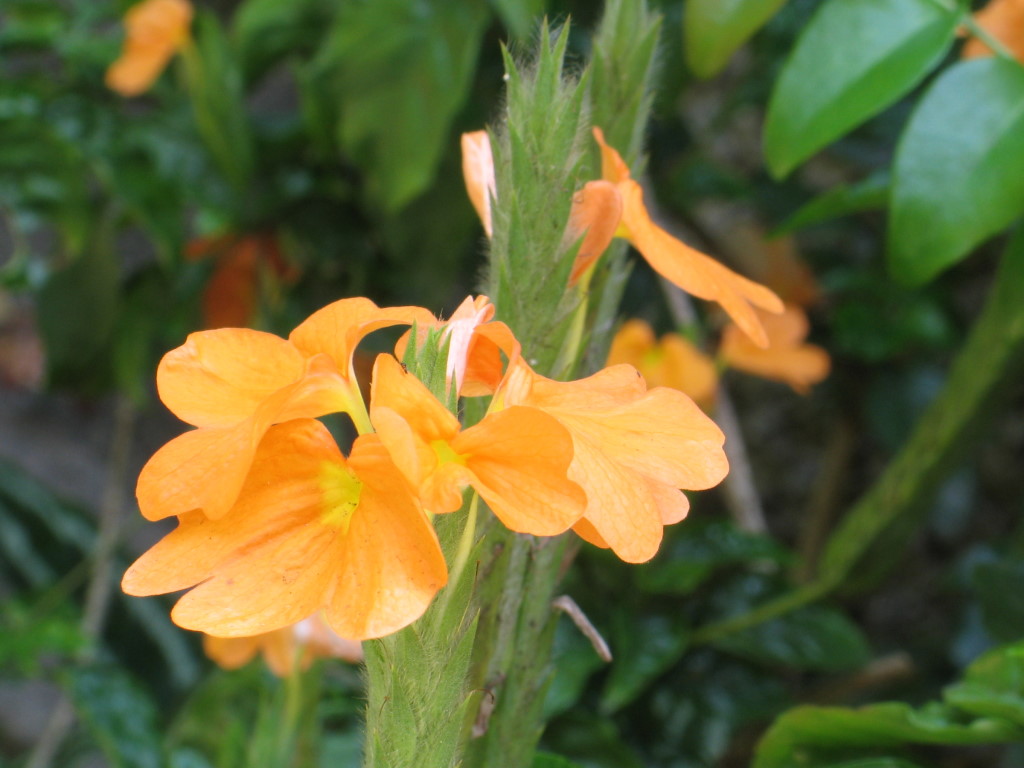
(308, 150)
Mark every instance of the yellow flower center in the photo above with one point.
(446, 454)
(341, 492)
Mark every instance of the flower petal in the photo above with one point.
(478, 172)
(693, 271)
(392, 561)
(338, 328)
(281, 492)
(595, 216)
(520, 458)
(205, 469)
(787, 359)
(219, 378)
(613, 167)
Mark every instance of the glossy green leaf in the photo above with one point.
(955, 177)
(854, 58)
(822, 737)
(871, 194)
(400, 69)
(714, 29)
(643, 648)
(993, 686)
(816, 637)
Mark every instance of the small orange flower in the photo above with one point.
(234, 383)
(673, 361)
(633, 448)
(516, 459)
(310, 531)
(1004, 20)
(686, 267)
(787, 358)
(284, 649)
(154, 31)
(243, 262)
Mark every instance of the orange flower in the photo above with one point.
(787, 358)
(633, 449)
(614, 207)
(1004, 20)
(154, 31)
(243, 261)
(283, 649)
(310, 531)
(235, 383)
(516, 459)
(673, 361)
(686, 267)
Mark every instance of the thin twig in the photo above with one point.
(570, 608)
(98, 593)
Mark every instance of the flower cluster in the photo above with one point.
(276, 524)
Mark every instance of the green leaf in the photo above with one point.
(815, 638)
(643, 647)
(955, 179)
(120, 717)
(868, 195)
(1000, 588)
(698, 551)
(854, 58)
(821, 737)
(548, 760)
(993, 686)
(400, 69)
(268, 30)
(77, 309)
(574, 660)
(714, 29)
(520, 16)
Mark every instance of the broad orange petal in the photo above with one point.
(219, 378)
(787, 358)
(403, 393)
(595, 216)
(520, 458)
(338, 328)
(693, 271)
(478, 172)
